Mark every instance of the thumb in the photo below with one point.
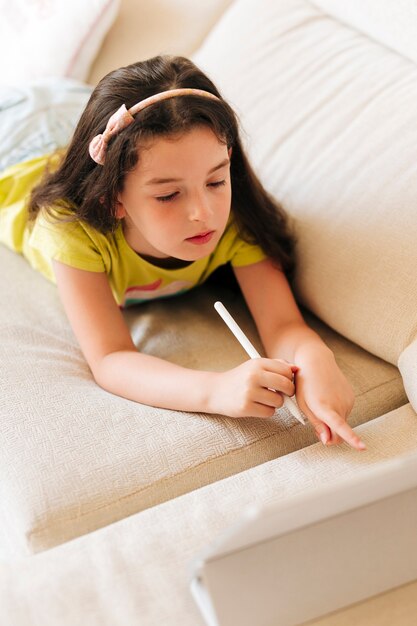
(323, 432)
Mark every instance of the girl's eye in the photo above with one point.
(219, 183)
(171, 196)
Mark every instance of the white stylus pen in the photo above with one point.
(253, 353)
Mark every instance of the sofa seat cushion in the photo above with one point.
(74, 457)
(137, 570)
(331, 127)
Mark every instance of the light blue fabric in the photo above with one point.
(39, 118)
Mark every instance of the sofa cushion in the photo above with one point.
(331, 127)
(408, 368)
(390, 23)
(137, 570)
(74, 457)
(144, 29)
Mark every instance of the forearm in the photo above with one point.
(153, 381)
(323, 393)
(296, 342)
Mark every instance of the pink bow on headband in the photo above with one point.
(124, 117)
(116, 123)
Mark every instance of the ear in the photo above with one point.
(120, 210)
(229, 152)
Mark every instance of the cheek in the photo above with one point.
(163, 222)
(225, 202)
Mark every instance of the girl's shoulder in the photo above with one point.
(16, 184)
(60, 235)
(235, 248)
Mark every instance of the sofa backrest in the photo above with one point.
(391, 22)
(331, 127)
(146, 28)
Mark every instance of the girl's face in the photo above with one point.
(176, 202)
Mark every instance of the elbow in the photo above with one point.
(99, 371)
(115, 371)
(104, 372)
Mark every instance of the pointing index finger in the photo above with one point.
(342, 428)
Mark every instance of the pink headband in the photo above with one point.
(123, 117)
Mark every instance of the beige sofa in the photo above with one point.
(326, 93)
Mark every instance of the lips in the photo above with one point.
(201, 238)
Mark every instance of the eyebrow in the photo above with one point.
(159, 181)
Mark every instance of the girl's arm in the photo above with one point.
(323, 393)
(118, 367)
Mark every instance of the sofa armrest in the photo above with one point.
(147, 556)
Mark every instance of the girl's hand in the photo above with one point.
(247, 390)
(326, 398)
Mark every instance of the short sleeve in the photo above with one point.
(68, 241)
(238, 251)
(247, 254)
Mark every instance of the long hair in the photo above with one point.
(89, 191)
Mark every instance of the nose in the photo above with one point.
(199, 208)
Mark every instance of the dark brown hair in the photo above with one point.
(90, 190)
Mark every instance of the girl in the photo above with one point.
(152, 195)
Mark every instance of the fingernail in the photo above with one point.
(294, 368)
(361, 445)
(323, 438)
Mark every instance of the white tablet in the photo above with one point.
(313, 553)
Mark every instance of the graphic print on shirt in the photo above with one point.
(143, 293)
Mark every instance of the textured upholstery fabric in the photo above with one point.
(332, 128)
(74, 457)
(136, 571)
(330, 114)
(146, 28)
(408, 368)
(390, 23)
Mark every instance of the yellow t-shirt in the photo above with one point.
(132, 278)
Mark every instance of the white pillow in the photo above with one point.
(40, 38)
(331, 121)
